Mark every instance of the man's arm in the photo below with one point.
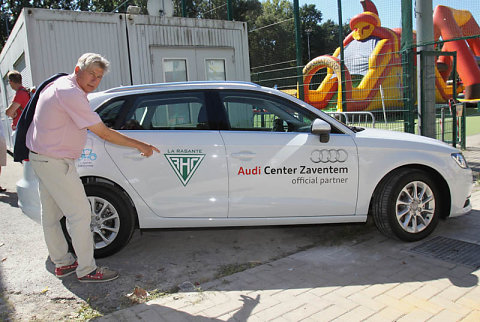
(115, 137)
(11, 111)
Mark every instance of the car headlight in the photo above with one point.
(460, 159)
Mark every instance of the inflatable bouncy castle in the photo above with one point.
(371, 59)
(450, 24)
(373, 71)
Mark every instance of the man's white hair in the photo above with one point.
(89, 59)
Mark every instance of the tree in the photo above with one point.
(243, 10)
(311, 19)
(11, 9)
(326, 41)
(271, 35)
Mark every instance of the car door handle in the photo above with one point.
(134, 156)
(243, 155)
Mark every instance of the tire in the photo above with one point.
(113, 221)
(400, 212)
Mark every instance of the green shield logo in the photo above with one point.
(184, 165)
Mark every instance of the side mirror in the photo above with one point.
(321, 128)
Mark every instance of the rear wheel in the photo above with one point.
(406, 205)
(113, 221)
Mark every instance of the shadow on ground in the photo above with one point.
(9, 198)
(344, 255)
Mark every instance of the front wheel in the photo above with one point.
(406, 205)
(112, 222)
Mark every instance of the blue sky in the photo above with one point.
(388, 10)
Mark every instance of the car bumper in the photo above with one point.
(461, 193)
(27, 191)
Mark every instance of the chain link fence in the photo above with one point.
(370, 74)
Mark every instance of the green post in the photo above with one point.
(184, 8)
(454, 124)
(408, 67)
(426, 67)
(421, 98)
(342, 56)
(298, 45)
(463, 128)
(454, 107)
(229, 10)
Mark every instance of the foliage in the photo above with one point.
(11, 9)
(243, 10)
(275, 43)
(272, 41)
(230, 269)
(86, 313)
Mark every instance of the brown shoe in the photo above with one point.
(66, 270)
(101, 274)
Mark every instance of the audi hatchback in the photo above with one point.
(237, 154)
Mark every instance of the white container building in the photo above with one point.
(142, 49)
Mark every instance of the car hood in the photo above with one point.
(394, 139)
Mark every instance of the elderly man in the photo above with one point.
(56, 138)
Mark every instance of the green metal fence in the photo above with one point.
(383, 83)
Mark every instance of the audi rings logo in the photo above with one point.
(329, 155)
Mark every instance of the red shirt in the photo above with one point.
(21, 97)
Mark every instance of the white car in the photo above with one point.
(238, 154)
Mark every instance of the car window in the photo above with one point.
(178, 111)
(110, 112)
(258, 112)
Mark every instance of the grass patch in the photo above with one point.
(86, 313)
(230, 269)
(156, 294)
(473, 125)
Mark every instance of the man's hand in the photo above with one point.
(115, 137)
(11, 111)
(146, 149)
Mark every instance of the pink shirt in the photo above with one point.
(59, 126)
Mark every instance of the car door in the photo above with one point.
(188, 178)
(277, 168)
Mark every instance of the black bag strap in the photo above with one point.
(20, 150)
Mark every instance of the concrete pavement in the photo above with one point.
(371, 278)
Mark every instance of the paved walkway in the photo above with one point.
(371, 278)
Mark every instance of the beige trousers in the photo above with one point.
(62, 194)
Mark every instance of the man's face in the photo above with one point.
(90, 78)
(14, 85)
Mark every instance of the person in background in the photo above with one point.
(22, 96)
(56, 138)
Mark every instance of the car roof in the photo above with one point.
(146, 88)
(98, 97)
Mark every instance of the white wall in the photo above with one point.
(155, 38)
(13, 56)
